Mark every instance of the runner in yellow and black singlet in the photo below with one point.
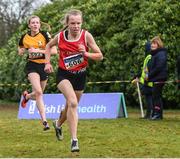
(33, 43)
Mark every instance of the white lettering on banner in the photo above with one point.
(60, 107)
(32, 107)
(51, 109)
(92, 109)
(92, 106)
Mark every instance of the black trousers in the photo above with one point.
(147, 92)
(149, 103)
(157, 98)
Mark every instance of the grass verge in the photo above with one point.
(102, 138)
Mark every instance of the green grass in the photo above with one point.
(105, 138)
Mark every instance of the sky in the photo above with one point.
(14, 6)
(36, 3)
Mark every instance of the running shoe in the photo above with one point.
(74, 146)
(24, 101)
(58, 131)
(46, 126)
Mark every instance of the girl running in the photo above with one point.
(33, 43)
(74, 44)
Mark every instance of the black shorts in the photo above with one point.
(77, 79)
(38, 68)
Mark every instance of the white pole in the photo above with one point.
(140, 100)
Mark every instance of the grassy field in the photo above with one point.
(107, 138)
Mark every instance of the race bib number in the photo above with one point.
(35, 55)
(73, 61)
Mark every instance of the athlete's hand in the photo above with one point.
(48, 68)
(21, 51)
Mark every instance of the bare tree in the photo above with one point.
(12, 12)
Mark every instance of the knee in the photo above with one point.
(72, 103)
(38, 93)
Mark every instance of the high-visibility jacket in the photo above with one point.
(145, 71)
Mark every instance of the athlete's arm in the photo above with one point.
(48, 67)
(96, 53)
(53, 50)
(21, 48)
(49, 46)
(21, 51)
(48, 38)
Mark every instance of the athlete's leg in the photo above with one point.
(71, 100)
(32, 94)
(63, 115)
(43, 84)
(34, 79)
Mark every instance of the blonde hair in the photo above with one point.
(158, 41)
(42, 23)
(68, 14)
(32, 17)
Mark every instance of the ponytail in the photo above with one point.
(46, 25)
(64, 28)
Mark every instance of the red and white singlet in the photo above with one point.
(69, 57)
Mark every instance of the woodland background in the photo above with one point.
(120, 28)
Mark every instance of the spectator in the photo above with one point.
(158, 75)
(146, 86)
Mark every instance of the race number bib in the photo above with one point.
(35, 55)
(73, 61)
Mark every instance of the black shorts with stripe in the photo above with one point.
(76, 78)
